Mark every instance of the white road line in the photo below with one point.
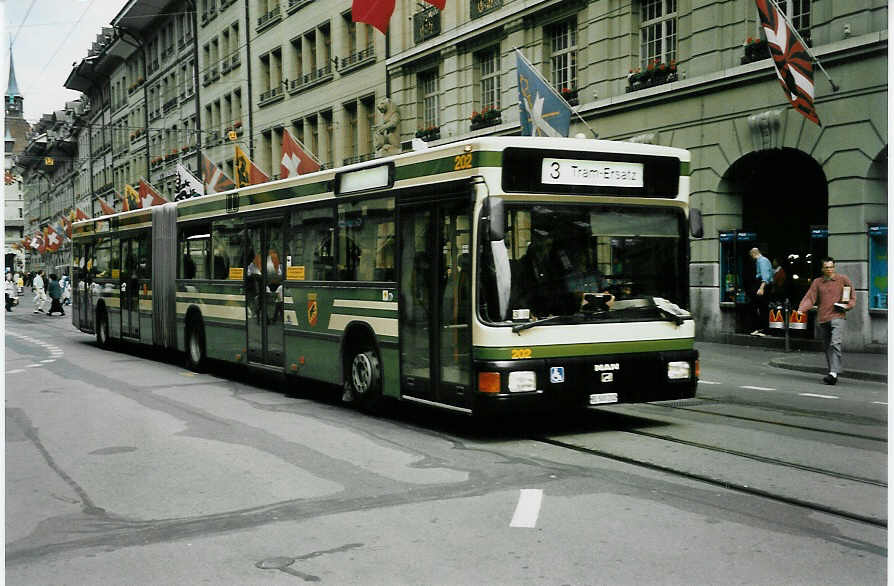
(528, 508)
(818, 396)
(708, 382)
(757, 388)
(34, 366)
(47, 361)
(16, 371)
(879, 403)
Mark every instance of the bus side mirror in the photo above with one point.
(493, 211)
(696, 227)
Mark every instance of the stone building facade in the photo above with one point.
(205, 75)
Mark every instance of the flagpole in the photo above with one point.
(557, 94)
(798, 36)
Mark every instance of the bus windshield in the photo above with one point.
(581, 263)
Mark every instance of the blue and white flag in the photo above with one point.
(542, 111)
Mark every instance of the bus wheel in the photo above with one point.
(102, 329)
(195, 347)
(366, 379)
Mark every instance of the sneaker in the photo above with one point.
(830, 380)
(36, 311)
(347, 396)
(41, 311)
(758, 333)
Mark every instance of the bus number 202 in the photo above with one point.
(461, 162)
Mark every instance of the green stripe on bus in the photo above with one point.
(594, 349)
(447, 165)
(685, 168)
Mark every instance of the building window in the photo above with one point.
(489, 78)
(563, 54)
(428, 98)
(798, 12)
(658, 32)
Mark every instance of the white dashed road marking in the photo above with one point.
(818, 396)
(757, 388)
(55, 351)
(879, 403)
(16, 371)
(708, 382)
(528, 508)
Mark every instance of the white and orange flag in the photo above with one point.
(295, 159)
(247, 173)
(215, 180)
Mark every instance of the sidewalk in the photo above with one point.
(857, 365)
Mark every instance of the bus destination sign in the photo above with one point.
(591, 173)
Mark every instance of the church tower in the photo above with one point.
(13, 99)
(15, 141)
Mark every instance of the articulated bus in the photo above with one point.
(487, 275)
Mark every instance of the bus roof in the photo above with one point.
(483, 143)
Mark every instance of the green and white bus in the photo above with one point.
(497, 273)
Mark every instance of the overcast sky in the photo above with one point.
(47, 36)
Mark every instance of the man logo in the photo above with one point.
(607, 367)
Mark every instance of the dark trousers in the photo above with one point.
(761, 305)
(56, 305)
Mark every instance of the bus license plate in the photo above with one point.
(602, 398)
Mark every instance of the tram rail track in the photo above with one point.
(723, 483)
(692, 409)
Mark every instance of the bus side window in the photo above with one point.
(227, 239)
(309, 241)
(195, 242)
(365, 247)
(99, 267)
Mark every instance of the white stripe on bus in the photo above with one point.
(356, 304)
(223, 296)
(383, 326)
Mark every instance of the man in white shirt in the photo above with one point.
(40, 294)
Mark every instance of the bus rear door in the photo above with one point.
(264, 293)
(130, 288)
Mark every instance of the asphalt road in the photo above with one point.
(122, 467)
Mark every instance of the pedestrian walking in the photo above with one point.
(11, 293)
(833, 295)
(761, 299)
(55, 290)
(40, 296)
(66, 290)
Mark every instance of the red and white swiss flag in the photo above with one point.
(295, 160)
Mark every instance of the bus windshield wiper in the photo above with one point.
(547, 320)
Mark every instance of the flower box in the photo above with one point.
(489, 116)
(656, 73)
(755, 50)
(429, 134)
(570, 95)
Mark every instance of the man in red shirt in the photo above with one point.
(833, 294)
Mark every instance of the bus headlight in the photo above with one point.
(678, 370)
(521, 381)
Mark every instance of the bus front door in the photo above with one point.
(81, 289)
(264, 293)
(435, 301)
(130, 289)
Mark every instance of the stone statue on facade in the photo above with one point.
(387, 137)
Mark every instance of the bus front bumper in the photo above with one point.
(542, 384)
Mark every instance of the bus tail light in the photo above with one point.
(488, 382)
(698, 369)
